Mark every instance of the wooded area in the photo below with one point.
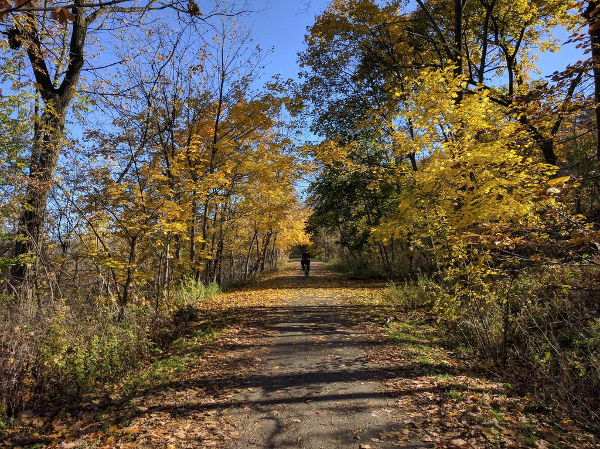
(450, 163)
(129, 172)
(143, 168)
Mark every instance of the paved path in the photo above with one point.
(299, 363)
(315, 387)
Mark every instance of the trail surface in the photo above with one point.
(315, 386)
(304, 362)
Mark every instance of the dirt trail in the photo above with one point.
(315, 387)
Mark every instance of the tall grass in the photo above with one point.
(195, 292)
(357, 269)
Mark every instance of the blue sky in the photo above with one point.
(568, 54)
(282, 24)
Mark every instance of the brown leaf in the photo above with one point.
(193, 8)
(63, 15)
(131, 429)
(4, 4)
(551, 436)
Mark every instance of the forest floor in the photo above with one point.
(304, 362)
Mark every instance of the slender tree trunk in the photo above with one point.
(592, 15)
(249, 255)
(158, 284)
(177, 239)
(218, 260)
(211, 262)
(167, 269)
(192, 256)
(413, 161)
(128, 278)
(458, 48)
(264, 250)
(203, 245)
(273, 255)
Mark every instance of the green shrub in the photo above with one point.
(545, 322)
(411, 295)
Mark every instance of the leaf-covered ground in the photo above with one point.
(307, 363)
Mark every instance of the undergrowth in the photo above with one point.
(356, 269)
(541, 328)
(181, 355)
(56, 351)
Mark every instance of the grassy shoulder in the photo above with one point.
(459, 398)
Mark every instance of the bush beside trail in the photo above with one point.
(56, 352)
(540, 329)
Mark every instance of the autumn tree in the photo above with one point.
(370, 66)
(383, 44)
(54, 41)
(192, 177)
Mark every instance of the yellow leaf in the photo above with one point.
(555, 181)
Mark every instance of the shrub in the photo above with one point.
(54, 351)
(358, 269)
(411, 295)
(556, 333)
(194, 292)
(59, 350)
(543, 324)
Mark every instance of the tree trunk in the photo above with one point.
(128, 278)
(592, 15)
(458, 25)
(249, 255)
(263, 254)
(47, 142)
(42, 168)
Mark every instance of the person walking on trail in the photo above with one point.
(305, 262)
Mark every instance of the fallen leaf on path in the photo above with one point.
(131, 430)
